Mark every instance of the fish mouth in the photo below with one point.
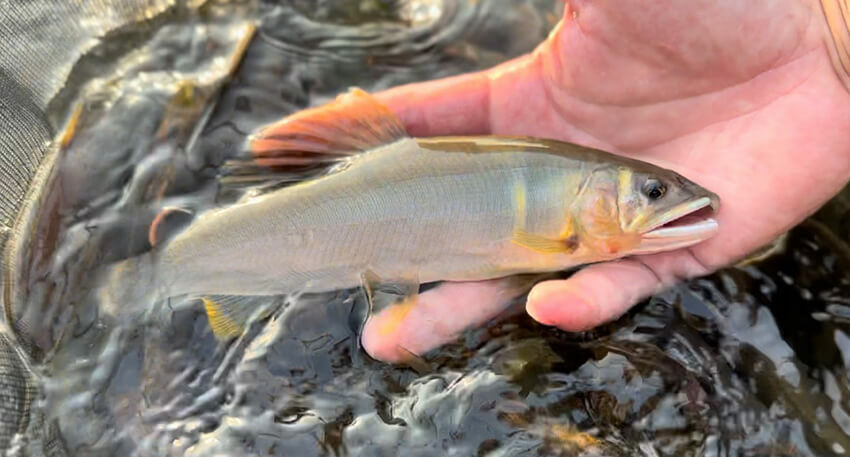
(684, 225)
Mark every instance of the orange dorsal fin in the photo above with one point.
(352, 123)
(312, 142)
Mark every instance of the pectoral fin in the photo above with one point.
(382, 293)
(415, 362)
(544, 245)
(393, 300)
(776, 246)
(565, 244)
(229, 315)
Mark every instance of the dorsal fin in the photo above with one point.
(354, 122)
(312, 141)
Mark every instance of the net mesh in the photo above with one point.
(41, 40)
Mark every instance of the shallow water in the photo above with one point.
(752, 361)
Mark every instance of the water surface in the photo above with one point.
(752, 361)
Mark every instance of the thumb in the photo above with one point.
(603, 292)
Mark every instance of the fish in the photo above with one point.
(388, 208)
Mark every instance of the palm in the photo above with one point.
(740, 97)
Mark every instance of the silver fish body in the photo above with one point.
(401, 211)
(411, 210)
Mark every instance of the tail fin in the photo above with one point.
(136, 280)
(131, 285)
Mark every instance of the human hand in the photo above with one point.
(741, 97)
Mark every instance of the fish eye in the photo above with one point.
(654, 189)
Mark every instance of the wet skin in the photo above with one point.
(740, 96)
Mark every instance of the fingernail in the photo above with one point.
(534, 305)
(557, 305)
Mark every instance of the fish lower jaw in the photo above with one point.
(668, 238)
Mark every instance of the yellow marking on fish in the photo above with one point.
(568, 232)
(71, 126)
(566, 243)
(624, 187)
(223, 327)
(542, 244)
(519, 202)
(393, 316)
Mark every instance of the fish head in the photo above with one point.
(643, 209)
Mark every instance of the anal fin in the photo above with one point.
(566, 243)
(229, 315)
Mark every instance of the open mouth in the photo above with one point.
(683, 226)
